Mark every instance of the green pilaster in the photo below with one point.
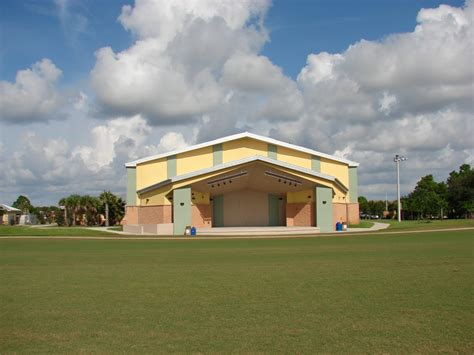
(131, 186)
(171, 166)
(353, 193)
(181, 210)
(315, 163)
(218, 211)
(217, 154)
(272, 151)
(324, 209)
(273, 211)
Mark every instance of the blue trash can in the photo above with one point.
(338, 227)
(193, 231)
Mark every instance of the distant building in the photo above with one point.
(9, 215)
(241, 180)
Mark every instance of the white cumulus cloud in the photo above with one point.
(33, 96)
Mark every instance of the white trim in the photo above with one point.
(8, 208)
(134, 163)
(240, 162)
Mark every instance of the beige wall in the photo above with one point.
(345, 212)
(131, 215)
(245, 208)
(201, 215)
(147, 215)
(301, 214)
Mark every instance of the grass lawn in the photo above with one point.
(398, 293)
(429, 224)
(50, 231)
(362, 224)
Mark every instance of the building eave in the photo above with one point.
(9, 208)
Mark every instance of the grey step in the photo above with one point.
(257, 231)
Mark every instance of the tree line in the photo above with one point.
(75, 210)
(453, 198)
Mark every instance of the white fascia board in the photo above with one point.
(240, 162)
(9, 208)
(134, 163)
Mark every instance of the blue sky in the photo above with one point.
(32, 29)
(360, 79)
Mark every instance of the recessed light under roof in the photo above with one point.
(285, 179)
(226, 178)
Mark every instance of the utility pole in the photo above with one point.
(397, 160)
(106, 214)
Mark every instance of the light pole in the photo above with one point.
(398, 159)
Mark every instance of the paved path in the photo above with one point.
(376, 227)
(106, 229)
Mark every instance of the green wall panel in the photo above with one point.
(181, 210)
(272, 151)
(218, 211)
(315, 163)
(217, 154)
(324, 209)
(273, 211)
(353, 193)
(171, 166)
(131, 186)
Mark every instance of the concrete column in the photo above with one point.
(273, 211)
(353, 184)
(217, 154)
(324, 209)
(131, 186)
(218, 211)
(181, 210)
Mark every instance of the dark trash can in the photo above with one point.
(193, 231)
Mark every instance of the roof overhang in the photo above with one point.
(134, 163)
(236, 163)
(7, 208)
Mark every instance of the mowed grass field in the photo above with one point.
(51, 231)
(383, 293)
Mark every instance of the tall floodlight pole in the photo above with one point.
(397, 160)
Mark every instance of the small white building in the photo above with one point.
(9, 215)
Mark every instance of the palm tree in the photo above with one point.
(89, 208)
(106, 198)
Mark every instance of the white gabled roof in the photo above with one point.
(239, 136)
(8, 208)
(236, 163)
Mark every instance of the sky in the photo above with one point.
(86, 86)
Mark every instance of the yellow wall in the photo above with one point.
(336, 169)
(242, 148)
(156, 197)
(294, 157)
(300, 196)
(150, 173)
(200, 197)
(194, 160)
